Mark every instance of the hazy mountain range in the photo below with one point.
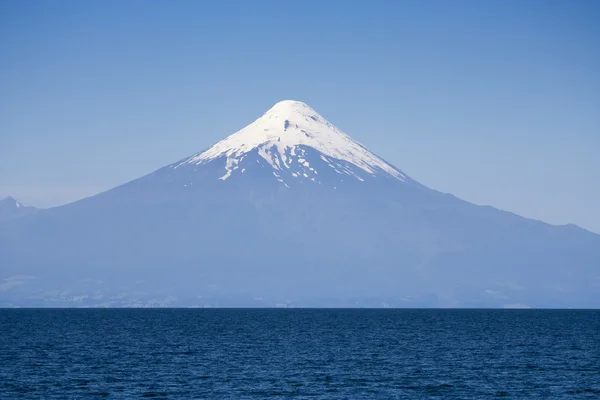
(11, 208)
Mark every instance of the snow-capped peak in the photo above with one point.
(285, 126)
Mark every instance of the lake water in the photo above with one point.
(312, 354)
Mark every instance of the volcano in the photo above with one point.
(291, 211)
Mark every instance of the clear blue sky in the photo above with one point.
(497, 102)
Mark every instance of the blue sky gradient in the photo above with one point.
(497, 102)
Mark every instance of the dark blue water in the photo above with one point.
(323, 354)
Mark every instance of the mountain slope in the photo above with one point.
(291, 210)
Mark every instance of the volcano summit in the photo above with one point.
(291, 210)
(284, 134)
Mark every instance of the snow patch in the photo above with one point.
(230, 166)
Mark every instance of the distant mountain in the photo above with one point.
(11, 208)
(291, 211)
